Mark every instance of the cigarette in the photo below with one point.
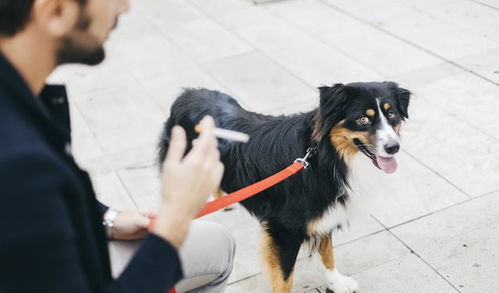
(226, 134)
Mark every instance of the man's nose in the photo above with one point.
(392, 149)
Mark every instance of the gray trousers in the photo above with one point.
(207, 257)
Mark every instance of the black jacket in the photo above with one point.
(51, 234)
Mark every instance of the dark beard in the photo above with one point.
(80, 46)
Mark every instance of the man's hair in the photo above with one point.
(15, 14)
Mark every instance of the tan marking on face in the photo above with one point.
(270, 255)
(342, 139)
(387, 106)
(370, 113)
(326, 252)
(397, 128)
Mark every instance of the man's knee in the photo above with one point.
(207, 257)
(208, 245)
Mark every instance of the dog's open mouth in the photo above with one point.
(387, 165)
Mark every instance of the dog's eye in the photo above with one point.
(364, 120)
(391, 114)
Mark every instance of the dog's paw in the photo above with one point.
(337, 283)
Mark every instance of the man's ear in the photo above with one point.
(56, 17)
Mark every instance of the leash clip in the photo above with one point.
(310, 152)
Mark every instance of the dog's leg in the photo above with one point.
(280, 258)
(336, 282)
(218, 194)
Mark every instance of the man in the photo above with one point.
(52, 235)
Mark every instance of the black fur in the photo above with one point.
(276, 141)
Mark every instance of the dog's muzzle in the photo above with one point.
(366, 152)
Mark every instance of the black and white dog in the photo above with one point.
(354, 122)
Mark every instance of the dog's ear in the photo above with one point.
(332, 103)
(402, 95)
(403, 98)
(332, 95)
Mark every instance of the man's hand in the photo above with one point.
(132, 225)
(187, 181)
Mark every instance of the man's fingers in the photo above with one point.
(143, 222)
(206, 142)
(148, 213)
(219, 171)
(177, 146)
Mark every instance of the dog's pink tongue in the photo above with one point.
(388, 165)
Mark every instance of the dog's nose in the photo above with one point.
(392, 149)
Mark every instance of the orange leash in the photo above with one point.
(249, 191)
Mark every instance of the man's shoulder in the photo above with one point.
(16, 132)
(19, 138)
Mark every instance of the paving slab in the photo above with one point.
(257, 82)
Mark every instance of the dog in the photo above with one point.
(356, 122)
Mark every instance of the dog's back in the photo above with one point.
(191, 106)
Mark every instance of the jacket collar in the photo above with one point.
(49, 112)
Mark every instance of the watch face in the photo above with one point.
(110, 216)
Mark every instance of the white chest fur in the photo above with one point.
(365, 182)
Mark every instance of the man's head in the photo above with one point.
(77, 27)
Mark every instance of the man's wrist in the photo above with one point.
(172, 224)
(109, 220)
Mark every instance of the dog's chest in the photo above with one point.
(364, 180)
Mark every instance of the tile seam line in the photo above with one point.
(196, 62)
(418, 256)
(202, 65)
(436, 173)
(90, 130)
(458, 117)
(126, 189)
(413, 44)
(442, 209)
(430, 14)
(485, 4)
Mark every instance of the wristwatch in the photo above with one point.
(109, 219)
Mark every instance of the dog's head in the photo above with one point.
(363, 118)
